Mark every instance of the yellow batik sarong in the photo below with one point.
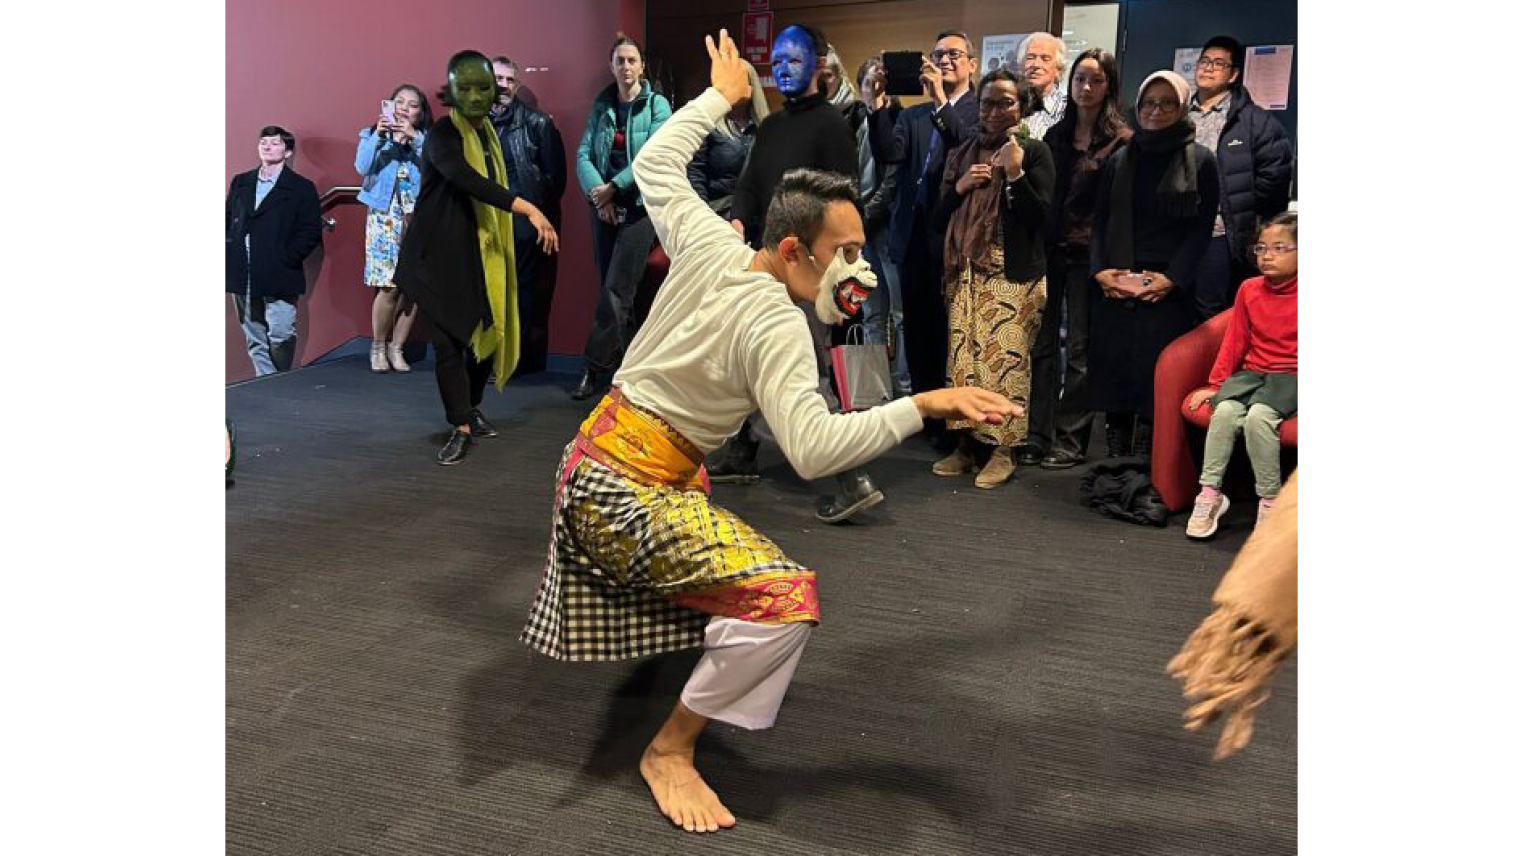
(640, 559)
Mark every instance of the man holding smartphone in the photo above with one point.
(917, 141)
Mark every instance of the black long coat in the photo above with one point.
(439, 264)
(1126, 336)
(281, 233)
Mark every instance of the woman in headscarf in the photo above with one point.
(1156, 201)
(994, 199)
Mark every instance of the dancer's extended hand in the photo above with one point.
(728, 72)
(967, 402)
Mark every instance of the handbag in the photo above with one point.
(862, 376)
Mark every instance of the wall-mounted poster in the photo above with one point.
(999, 51)
(1183, 62)
(1267, 75)
(756, 39)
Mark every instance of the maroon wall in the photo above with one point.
(321, 70)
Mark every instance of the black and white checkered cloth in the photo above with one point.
(619, 550)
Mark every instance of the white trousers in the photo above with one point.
(745, 670)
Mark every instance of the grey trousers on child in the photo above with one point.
(1260, 425)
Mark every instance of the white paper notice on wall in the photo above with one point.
(999, 52)
(1267, 75)
(1183, 62)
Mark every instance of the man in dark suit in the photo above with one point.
(918, 141)
(273, 223)
(535, 156)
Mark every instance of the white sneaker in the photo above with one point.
(394, 356)
(1207, 514)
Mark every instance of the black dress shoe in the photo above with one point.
(735, 468)
(1061, 459)
(1029, 456)
(857, 493)
(587, 387)
(480, 429)
(454, 450)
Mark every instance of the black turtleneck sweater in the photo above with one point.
(806, 132)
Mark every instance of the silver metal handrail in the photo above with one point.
(332, 198)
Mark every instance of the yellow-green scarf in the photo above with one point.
(494, 228)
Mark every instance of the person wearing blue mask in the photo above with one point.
(807, 132)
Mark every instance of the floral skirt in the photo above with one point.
(993, 324)
(383, 242)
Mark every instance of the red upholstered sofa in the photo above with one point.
(1178, 435)
(656, 266)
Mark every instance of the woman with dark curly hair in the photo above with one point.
(994, 198)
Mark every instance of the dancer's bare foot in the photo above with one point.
(681, 793)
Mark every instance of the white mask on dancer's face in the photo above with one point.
(843, 288)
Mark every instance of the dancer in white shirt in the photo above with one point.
(640, 561)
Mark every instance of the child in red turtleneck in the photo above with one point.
(1253, 384)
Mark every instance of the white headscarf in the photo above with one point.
(1174, 79)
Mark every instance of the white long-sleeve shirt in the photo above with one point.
(722, 341)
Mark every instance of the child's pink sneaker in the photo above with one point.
(1207, 514)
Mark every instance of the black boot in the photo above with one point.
(857, 493)
(454, 450)
(590, 383)
(1118, 436)
(736, 461)
(1142, 445)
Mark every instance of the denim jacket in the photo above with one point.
(380, 182)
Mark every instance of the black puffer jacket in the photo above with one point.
(1253, 156)
(716, 165)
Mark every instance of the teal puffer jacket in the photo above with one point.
(647, 113)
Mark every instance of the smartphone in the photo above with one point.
(388, 110)
(901, 73)
(1133, 283)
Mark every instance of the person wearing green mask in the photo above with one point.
(456, 262)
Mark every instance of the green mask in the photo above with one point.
(472, 88)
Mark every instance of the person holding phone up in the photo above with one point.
(917, 140)
(1156, 200)
(389, 159)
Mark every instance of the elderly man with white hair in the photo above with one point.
(1044, 58)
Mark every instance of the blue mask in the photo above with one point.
(794, 62)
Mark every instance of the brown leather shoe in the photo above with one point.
(999, 469)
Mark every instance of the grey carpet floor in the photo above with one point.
(988, 677)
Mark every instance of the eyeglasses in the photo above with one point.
(1151, 106)
(1276, 249)
(1218, 64)
(952, 54)
(988, 104)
